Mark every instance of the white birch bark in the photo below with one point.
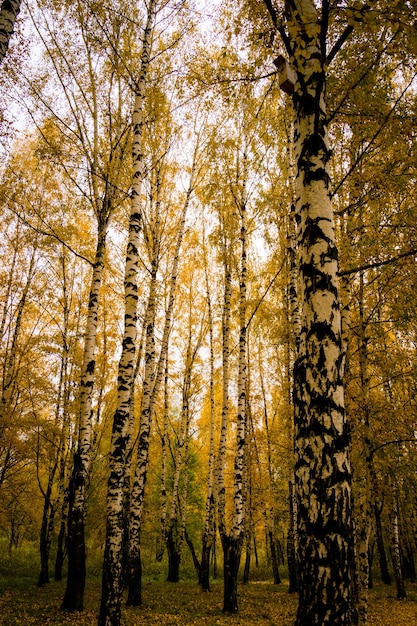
(322, 465)
(153, 379)
(209, 522)
(8, 13)
(221, 455)
(239, 495)
(112, 585)
(74, 593)
(232, 543)
(395, 547)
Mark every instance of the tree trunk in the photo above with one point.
(113, 566)
(232, 544)
(60, 551)
(322, 464)
(291, 543)
(209, 524)
(274, 558)
(47, 528)
(231, 554)
(77, 493)
(8, 13)
(248, 554)
(370, 562)
(383, 561)
(74, 591)
(206, 554)
(396, 551)
(196, 562)
(174, 557)
(152, 384)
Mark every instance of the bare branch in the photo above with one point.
(369, 266)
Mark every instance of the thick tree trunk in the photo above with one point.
(205, 566)
(174, 557)
(113, 566)
(232, 549)
(8, 13)
(74, 591)
(322, 464)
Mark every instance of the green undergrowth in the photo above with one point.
(21, 602)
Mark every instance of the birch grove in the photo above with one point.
(207, 285)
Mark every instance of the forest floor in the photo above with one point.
(21, 602)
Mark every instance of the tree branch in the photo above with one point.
(377, 133)
(345, 36)
(51, 234)
(278, 25)
(369, 266)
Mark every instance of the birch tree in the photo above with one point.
(84, 131)
(112, 580)
(8, 13)
(155, 366)
(322, 463)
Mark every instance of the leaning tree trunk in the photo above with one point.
(112, 580)
(322, 464)
(77, 493)
(149, 398)
(134, 565)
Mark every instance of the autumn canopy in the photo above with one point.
(207, 318)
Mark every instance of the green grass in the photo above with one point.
(22, 602)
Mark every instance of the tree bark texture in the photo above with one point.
(174, 555)
(232, 550)
(322, 464)
(74, 592)
(152, 383)
(232, 543)
(47, 528)
(209, 523)
(382, 555)
(396, 549)
(77, 495)
(113, 571)
(291, 542)
(8, 12)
